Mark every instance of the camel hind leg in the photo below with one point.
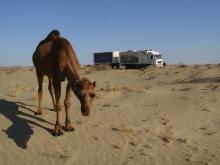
(68, 126)
(40, 78)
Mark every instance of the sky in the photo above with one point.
(183, 31)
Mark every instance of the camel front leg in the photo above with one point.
(51, 90)
(57, 89)
(40, 78)
(68, 126)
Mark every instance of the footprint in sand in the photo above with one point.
(106, 105)
(115, 146)
(164, 121)
(181, 140)
(205, 110)
(167, 135)
(207, 131)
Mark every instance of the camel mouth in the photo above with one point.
(85, 113)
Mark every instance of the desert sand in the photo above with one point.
(150, 116)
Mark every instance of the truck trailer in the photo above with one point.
(111, 58)
(129, 59)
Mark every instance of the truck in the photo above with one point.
(129, 59)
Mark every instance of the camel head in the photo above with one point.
(85, 92)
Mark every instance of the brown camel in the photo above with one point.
(55, 58)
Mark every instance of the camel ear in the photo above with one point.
(94, 84)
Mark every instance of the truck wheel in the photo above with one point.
(127, 66)
(117, 66)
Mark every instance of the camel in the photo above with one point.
(55, 58)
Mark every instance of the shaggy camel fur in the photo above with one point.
(55, 58)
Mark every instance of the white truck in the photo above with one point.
(129, 59)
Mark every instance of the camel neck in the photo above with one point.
(73, 83)
(73, 77)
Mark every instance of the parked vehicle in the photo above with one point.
(129, 59)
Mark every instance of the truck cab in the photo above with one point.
(158, 60)
(154, 57)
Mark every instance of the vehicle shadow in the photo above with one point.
(20, 131)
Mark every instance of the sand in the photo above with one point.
(150, 116)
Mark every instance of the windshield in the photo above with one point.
(158, 57)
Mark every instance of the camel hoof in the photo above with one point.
(68, 128)
(38, 113)
(57, 133)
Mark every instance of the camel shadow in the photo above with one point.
(20, 131)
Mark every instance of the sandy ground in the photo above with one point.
(149, 116)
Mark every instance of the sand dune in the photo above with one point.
(148, 116)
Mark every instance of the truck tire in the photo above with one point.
(117, 66)
(127, 66)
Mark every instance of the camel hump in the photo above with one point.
(53, 34)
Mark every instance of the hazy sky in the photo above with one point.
(184, 31)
